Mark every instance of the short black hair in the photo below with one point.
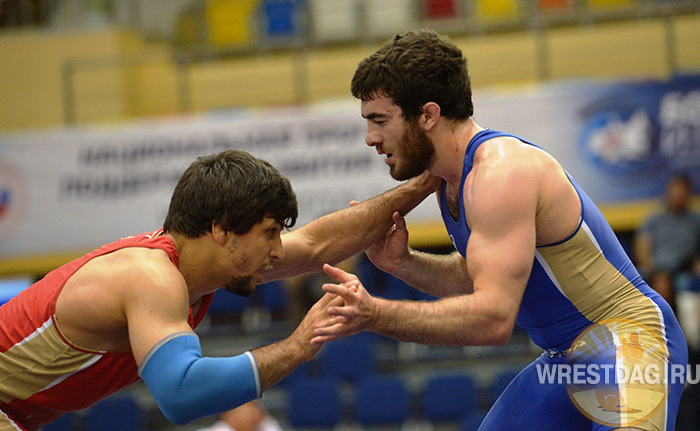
(413, 69)
(232, 189)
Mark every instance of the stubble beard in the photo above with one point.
(417, 153)
(241, 286)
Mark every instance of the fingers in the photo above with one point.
(338, 273)
(327, 336)
(399, 221)
(328, 320)
(334, 330)
(333, 301)
(321, 339)
(342, 311)
(331, 332)
(332, 327)
(340, 305)
(430, 180)
(328, 299)
(346, 292)
(323, 335)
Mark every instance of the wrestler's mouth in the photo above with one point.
(388, 157)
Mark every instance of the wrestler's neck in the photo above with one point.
(451, 141)
(196, 256)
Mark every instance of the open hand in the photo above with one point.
(352, 316)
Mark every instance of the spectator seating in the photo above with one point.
(117, 413)
(449, 397)
(314, 403)
(381, 400)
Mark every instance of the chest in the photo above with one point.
(452, 199)
(455, 223)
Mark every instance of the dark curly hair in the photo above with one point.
(415, 68)
(233, 189)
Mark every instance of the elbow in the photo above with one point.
(501, 332)
(501, 338)
(178, 418)
(177, 413)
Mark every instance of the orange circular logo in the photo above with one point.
(618, 372)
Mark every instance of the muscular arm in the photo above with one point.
(344, 233)
(186, 385)
(502, 200)
(436, 275)
(277, 360)
(423, 269)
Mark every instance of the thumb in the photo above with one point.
(399, 221)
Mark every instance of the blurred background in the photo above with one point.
(82, 61)
(97, 95)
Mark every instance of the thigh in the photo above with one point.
(530, 402)
(645, 386)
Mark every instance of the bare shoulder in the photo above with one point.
(503, 168)
(141, 265)
(512, 153)
(131, 270)
(91, 308)
(515, 163)
(517, 179)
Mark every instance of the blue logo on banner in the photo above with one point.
(620, 141)
(644, 129)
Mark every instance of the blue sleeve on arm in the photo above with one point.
(187, 386)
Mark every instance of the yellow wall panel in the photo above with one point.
(330, 71)
(636, 49)
(603, 5)
(99, 95)
(498, 59)
(687, 39)
(117, 76)
(153, 89)
(31, 76)
(265, 80)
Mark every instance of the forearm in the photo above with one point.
(434, 274)
(187, 386)
(278, 360)
(454, 321)
(344, 233)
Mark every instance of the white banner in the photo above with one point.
(76, 189)
(69, 190)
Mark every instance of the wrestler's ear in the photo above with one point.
(219, 233)
(430, 115)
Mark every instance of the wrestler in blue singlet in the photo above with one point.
(585, 279)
